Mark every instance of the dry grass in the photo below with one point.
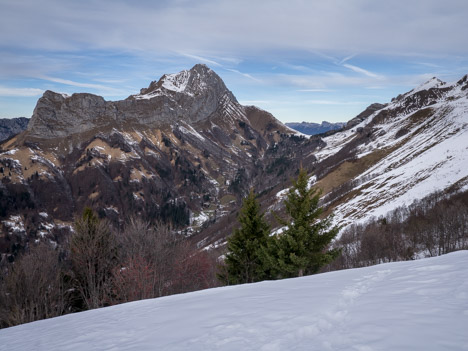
(226, 199)
(347, 197)
(93, 195)
(28, 167)
(420, 116)
(139, 174)
(350, 169)
(8, 145)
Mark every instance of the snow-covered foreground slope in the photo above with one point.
(417, 305)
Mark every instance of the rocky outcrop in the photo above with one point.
(188, 96)
(364, 114)
(12, 126)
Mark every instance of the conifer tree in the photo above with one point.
(302, 248)
(242, 263)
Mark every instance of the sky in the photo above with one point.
(300, 60)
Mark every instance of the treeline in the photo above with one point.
(433, 226)
(98, 267)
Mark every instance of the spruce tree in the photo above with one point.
(242, 263)
(302, 248)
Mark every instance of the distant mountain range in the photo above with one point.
(12, 126)
(310, 128)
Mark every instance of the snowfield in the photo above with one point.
(416, 305)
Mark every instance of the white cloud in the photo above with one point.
(98, 88)
(347, 58)
(20, 92)
(73, 83)
(242, 74)
(361, 70)
(224, 27)
(201, 59)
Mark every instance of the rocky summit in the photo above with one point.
(189, 96)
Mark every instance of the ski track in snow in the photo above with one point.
(415, 305)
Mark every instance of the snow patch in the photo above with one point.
(431, 83)
(176, 82)
(190, 130)
(15, 224)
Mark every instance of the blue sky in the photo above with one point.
(300, 60)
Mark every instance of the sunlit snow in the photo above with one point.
(415, 305)
(430, 157)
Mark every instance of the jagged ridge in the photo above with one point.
(189, 96)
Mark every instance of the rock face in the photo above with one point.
(315, 128)
(12, 126)
(364, 114)
(188, 96)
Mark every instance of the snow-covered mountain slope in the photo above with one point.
(412, 147)
(415, 305)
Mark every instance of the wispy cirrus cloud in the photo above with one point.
(20, 92)
(97, 88)
(247, 75)
(201, 59)
(358, 26)
(73, 83)
(362, 71)
(347, 58)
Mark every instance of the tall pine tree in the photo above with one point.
(242, 263)
(302, 248)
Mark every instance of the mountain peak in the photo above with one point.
(192, 95)
(434, 82)
(189, 82)
(201, 67)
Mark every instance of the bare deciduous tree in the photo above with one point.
(160, 262)
(32, 287)
(93, 255)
